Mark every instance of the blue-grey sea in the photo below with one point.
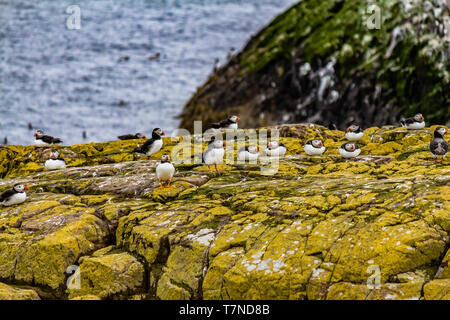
(66, 81)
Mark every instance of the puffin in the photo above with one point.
(230, 123)
(153, 145)
(165, 170)
(275, 149)
(55, 162)
(44, 140)
(14, 196)
(132, 136)
(438, 146)
(314, 147)
(349, 150)
(155, 56)
(213, 155)
(248, 153)
(416, 122)
(354, 133)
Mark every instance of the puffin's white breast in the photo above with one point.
(280, 151)
(352, 136)
(15, 199)
(346, 154)
(214, 156)
(233, 126)
(310, 150)
(416, 125)
(156, 146)
(40, 143)
(51, 164)
(165, 171)
(245, 155)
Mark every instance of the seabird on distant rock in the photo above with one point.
(314, 147)
(43, 140)
(55, 162)
(132, 136)
(248, 153)
(354, 133)
(165, 170)
(124, 58)
(349, 150)
(230, 123)
(5, 141)
(214, 153)
(14, 196)
(230, 53)
(275, 149)
(438, 146)
(153, 145)
(154, 56)
(416, 122)
(216, 65)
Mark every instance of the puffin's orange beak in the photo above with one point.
(35, 134)
(224, 143)
(162, 133)
(321, 144)
(422, 118)
(348, 129)
(26, 188)
(238, 118)
(446, 131)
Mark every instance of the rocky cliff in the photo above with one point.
(320, 228)
(336, 62)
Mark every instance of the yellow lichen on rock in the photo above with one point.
(108, 275)
(298, 228)
(14, 293)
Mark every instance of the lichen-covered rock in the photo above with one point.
(107, 274)
(15, 293)
(437, 290)
(309, 228)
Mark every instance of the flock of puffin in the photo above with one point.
(214, 153)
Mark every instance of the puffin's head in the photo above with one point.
(350, 146)
(159, 132)
(54, 154)
(419, 118)
(140, 136)
(234, 118)
(316, 143)
(216, 143)
(253, 149)
(39, 134)
(353, 128)
(442, 131)
(219, 144)
(273, 145)
(20, 188)
(165, 158)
